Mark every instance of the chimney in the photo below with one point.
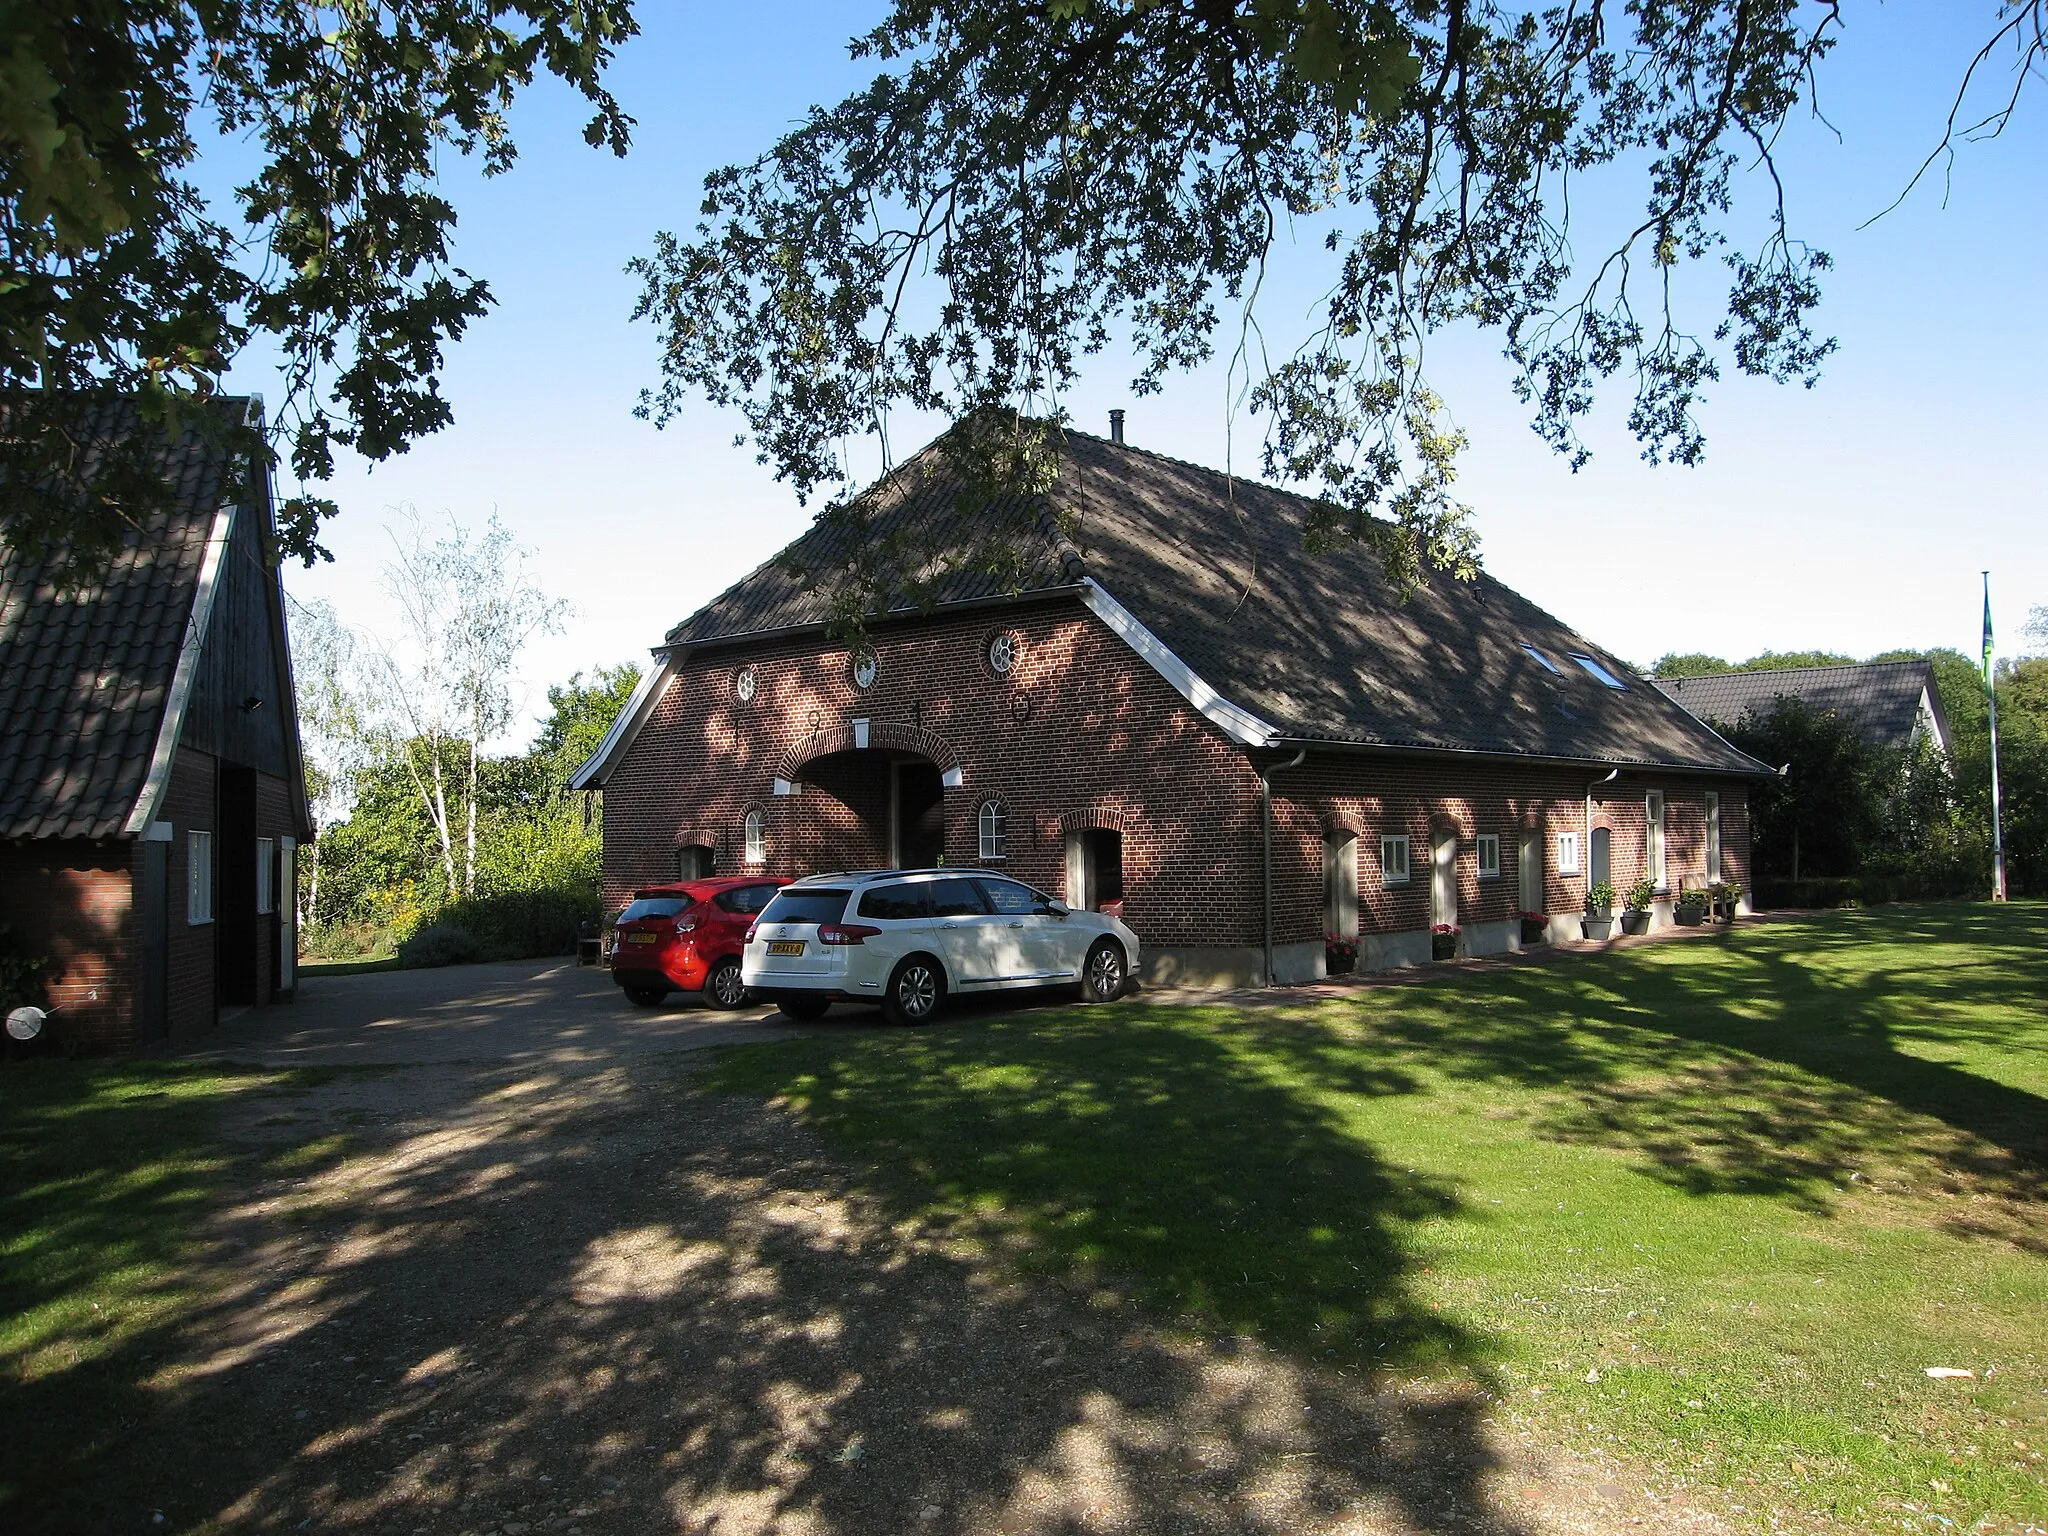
(1116, 426)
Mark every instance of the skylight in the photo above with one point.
(1599, 671)
(1543, 661)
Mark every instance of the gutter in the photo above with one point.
(1266, 831)
(1586, 853)
(1478, 755)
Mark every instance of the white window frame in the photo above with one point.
(1653, 839)
(1568, 853)
(1396, 866)
(1713, 837)
(198, 877)
(992, 825)
(1002, 653)
(1542, 660)
(865, 668)
(754, 836)
(266, 876)
(1487, 848)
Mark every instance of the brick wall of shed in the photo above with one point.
(70, 903)
(1080, 729)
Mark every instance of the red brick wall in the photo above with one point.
(69, 902)
(1080, 727)
(1084, 732)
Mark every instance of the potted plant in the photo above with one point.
(1535, 927)
(1598, 922)
(1443, 941)
(1726, 895)
(1340, 954)
(1691, 910)
(1635, 916)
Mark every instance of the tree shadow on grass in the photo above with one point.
(617, 1301)
(1778, 1060)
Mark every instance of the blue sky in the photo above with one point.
(1855, 516)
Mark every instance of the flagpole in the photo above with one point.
(1997, 817)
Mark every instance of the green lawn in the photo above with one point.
(1716, 1204)
(105, 1168)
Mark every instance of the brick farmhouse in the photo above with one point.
(1108, 721)
(151, 790)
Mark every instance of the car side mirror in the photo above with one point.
(1056, 908)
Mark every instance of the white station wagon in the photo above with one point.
(905, 938)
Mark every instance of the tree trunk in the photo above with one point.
(441, 824)
(469, 852)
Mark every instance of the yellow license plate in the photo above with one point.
(639, 938)
(786, 947)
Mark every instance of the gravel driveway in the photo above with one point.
(531, 1279)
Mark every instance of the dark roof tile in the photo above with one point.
(1320, 647)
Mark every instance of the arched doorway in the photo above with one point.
(867, 808)
(1601, 870)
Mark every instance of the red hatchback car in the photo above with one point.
(688, 937)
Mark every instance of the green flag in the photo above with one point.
(1987, 629)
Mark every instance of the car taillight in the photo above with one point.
(752, 928)
(845, 933)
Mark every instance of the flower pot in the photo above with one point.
(1596, 927)
(1689, 917)
(1534, 932)
(1635, 920)
(1336, 964)
(1443, 946)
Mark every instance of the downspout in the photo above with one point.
(1266, 830)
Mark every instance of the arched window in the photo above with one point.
(994, 836)
(757, 837)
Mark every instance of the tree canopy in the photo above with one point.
(1023, 184)
(117, 274)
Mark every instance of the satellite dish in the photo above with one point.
(26, 1023)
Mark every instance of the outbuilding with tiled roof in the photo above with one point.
(152, 793)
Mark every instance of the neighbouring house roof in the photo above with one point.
(90, 676)
(1208, 578)
(1885, 700)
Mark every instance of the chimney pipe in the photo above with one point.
(1116, 426)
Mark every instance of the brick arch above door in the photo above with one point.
(886, 735)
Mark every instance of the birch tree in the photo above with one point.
(468, 602)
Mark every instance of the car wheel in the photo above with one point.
(723, 987)
(646, 997)
(803, 1007)
(916, 988)
(1102, 973)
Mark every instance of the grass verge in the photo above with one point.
(1716, 1205)
(105, 1167)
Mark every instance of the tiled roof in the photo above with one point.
(85, 672)
(1881, 698)
(1320, 647)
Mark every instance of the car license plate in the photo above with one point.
(639, 938)
(786, 947)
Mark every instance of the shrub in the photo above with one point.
(1641, 894)
(1600, 898)
(442, 944)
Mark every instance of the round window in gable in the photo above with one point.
(864, 670)
(745, 684)
(1002, 653)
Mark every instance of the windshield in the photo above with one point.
(813, 906)
(655, 906)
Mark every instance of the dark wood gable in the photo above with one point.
(243, 660)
